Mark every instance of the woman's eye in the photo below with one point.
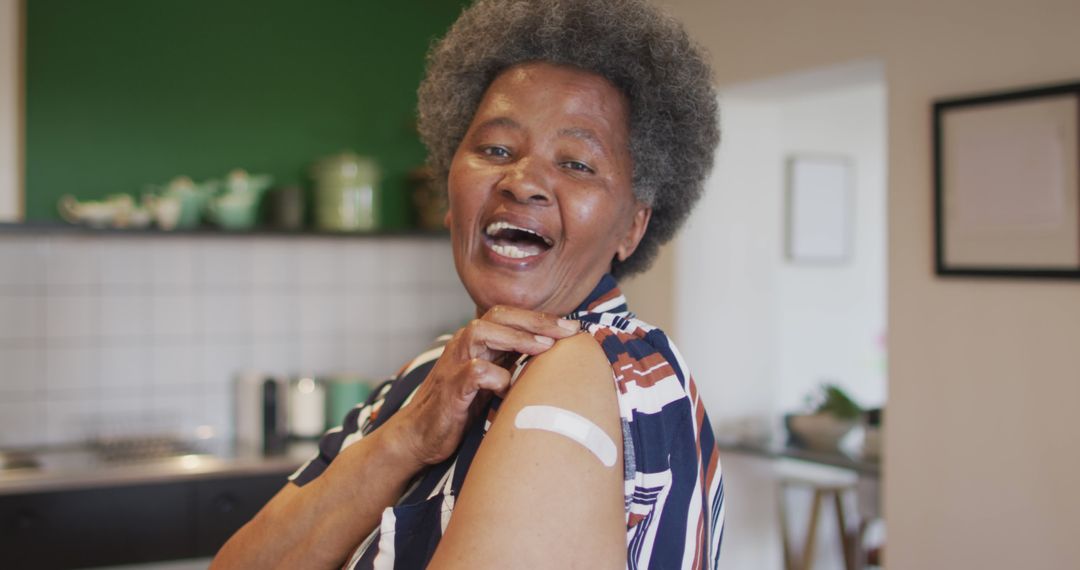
(578, 166)
(495, 151)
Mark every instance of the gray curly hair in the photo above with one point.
(642, 51)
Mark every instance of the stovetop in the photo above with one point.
(103, 462)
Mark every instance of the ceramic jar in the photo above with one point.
(347, 193)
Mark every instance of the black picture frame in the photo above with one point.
(1042, 106)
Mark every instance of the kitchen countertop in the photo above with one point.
(78, 467)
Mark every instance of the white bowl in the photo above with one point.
(820, 431)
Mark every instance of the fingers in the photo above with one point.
(531, 321)
(489, 376)
(485, 339)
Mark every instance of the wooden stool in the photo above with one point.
(804, 560)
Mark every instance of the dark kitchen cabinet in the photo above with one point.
(128, 524)
(224, 505)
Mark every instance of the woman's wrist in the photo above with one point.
(397, 447)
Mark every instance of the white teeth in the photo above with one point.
(509, 251)
(494, 227)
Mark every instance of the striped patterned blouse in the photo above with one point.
(674, 491)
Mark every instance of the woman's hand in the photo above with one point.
(466, 375)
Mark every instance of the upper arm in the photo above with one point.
(534, 498)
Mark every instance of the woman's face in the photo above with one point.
(540, 193)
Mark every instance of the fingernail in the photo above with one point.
(544, 340)
(568, 324)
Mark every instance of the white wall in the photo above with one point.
(830, 320)
(984, 375)
(725, 263)
(759, 331)
(10, 111)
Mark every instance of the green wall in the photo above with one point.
(125, 93)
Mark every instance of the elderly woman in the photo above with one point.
(556, 430)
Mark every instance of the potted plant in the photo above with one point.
(834, 415)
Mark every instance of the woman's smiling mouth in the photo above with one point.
(515, 242)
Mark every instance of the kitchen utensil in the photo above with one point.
(306, 408)
(234, 211)
(343, 394)
(287, 207)
(259, 409)
(192, 198)
(165, 210)
(346, 193)
(96, 213)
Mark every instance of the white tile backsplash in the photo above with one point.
(362, 310)
(359, 265)
(73, 263)
(225, 264)
(110, 332)
(322, 354)
(275, 356)
(221, 360)
(21, 422)
(440, 264)
(402, 262)
(174, 315)
(225, 315)
(173, 265)
(125, 264)
(274, 314)
(22, 372)
(361, 355)
(175, 364)
(320, 266)
(70, 316)
(21, 316)
(404, 311)
(124, 315)
(124, 368)
(70, 418)
(22, 263)
(322, 314)
(72, 370)
(275, 264)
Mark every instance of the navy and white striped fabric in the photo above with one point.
(674, 491)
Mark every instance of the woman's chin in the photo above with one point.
(494, 291)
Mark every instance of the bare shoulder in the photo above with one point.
(574, 373)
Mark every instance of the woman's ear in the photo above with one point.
(634, 233)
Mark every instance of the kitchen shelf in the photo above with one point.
(62, 228)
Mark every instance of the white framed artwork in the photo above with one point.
(818, 209)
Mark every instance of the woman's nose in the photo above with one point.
(526, 183)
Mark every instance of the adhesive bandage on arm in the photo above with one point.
(571, 425)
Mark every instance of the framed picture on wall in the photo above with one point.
(818, 210)
(1006, 185)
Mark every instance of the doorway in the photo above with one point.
(763, 328)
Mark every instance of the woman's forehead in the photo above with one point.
(535, 91)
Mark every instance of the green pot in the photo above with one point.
(347, 193)
(234, 211)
